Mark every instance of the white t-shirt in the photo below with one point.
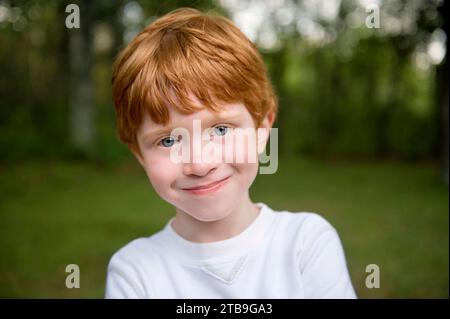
(279, 255)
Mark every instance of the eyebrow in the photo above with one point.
(158, 132)
(169, 128)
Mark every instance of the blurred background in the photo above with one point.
(363, 137)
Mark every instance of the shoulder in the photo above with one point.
(303, 224)
(304, 232)
(128, 269)
(319, 254)
(137, 251)
(315, 241)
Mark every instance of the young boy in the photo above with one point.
(189, 70)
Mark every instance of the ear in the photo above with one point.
(137, 153)
(264, 131)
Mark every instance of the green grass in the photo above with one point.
(54, 214)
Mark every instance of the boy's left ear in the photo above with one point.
(264, 131)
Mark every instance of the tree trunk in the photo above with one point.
(445, 139)
(442, 104)
(81, 100)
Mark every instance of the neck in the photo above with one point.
(243, 214)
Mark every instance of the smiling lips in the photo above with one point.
(208, 188)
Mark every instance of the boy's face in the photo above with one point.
(207, 188)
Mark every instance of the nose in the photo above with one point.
(200, 163)
(199, 169)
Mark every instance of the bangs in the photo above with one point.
(182, 66)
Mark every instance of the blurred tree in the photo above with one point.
(97, 18)
(442, 103)
(344, 89)
(369, 90)
(81, 100)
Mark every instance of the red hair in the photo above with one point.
(187, 51)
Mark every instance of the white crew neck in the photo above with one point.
(240, 244)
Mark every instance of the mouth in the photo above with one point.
(208, 188)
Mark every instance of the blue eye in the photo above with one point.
(221, 130)
(168, 141)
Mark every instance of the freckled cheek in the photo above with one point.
(246, 173)
(162, 173)
(242, 150)
(246, 164)
(248, 168)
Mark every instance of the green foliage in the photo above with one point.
(361, 94)
(371, 105)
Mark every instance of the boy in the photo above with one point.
(184, 71)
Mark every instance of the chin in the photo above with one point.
(207, 214)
